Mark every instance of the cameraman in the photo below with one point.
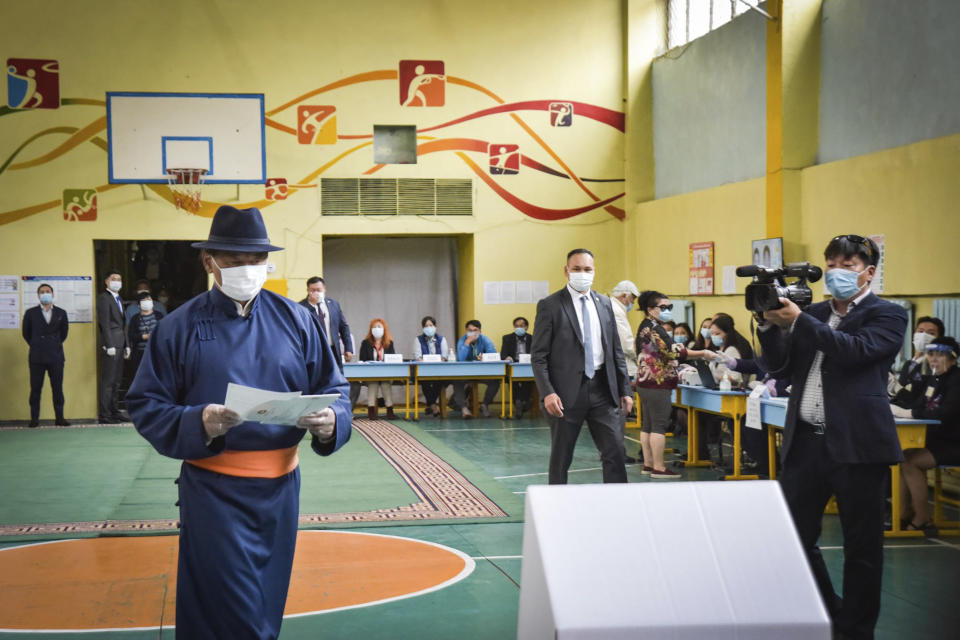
(839, 437)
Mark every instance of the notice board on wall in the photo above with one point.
(73, 294)
(701, 268)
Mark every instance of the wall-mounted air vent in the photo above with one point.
(396, 196)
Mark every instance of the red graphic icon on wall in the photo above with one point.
(79, 205)
(422, 83)
(33, 84)
(277, 189)
(561, 114)
(504, 159)
(316, 124)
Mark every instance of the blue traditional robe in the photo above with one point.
(237, 534)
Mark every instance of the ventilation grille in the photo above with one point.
(396, 196)
(948, 310)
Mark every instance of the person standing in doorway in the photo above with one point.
(113, 347)
(141, 326)
(45, 328)
(580, 372)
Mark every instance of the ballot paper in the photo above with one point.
(274, 407)
(753, 406)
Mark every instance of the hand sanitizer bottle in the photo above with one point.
(452, 356)
(725, 382)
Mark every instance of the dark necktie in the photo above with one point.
(119, 303)
(323, 321)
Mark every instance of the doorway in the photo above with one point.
(171, 268)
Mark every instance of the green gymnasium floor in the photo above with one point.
(503, 457)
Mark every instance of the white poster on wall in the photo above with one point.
(541, 289)
(73, 294)
(491, 293)
(9, 302)
(876, 285)
(525, 291)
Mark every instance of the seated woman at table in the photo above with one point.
(377, 344)
(939, 399)
(429, 342)
(701, 341)
(729, 344)
(683, 335)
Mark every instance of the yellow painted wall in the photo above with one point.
(597, 52)
(536, 50)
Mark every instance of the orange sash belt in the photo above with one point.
(251, 464)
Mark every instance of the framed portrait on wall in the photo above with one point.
(768, 252)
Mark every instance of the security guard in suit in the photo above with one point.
(45, 328)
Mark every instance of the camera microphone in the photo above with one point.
(748, 271)
(810, 272)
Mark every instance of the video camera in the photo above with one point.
(769, 285)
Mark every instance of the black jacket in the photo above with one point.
(45, 340)
(939, 399)
(366, 351)
(508, 346)
(557, 356)
(857, 356)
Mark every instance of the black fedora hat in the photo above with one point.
(237, 230)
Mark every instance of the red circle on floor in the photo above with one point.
(130, 582)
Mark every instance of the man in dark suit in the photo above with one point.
(511, 347)
(840, 437)
(580, 372)
(331, 319)
(45, 328)
(113, 347)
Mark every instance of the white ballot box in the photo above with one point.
(680, 560)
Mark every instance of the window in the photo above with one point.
(690, 19)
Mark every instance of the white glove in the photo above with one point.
(320, 423)
(900, 412)
(111, 351)
(126, 353)
(217, 420)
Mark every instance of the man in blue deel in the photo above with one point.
(240, 481)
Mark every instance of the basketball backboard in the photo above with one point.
(149, 133)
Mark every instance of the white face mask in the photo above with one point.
(115, 285)
(921, 340)
(243, 282)
(581, 280)
(377, 332)
(146, 305)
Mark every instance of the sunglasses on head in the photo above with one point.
(855, 239)
(665, 307)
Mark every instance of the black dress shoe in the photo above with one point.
(34, 424)
(630, 460)
(62, 422)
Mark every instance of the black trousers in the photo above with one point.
(111, 372)
(603, 418)
(431, 392)
(522, 392)
(37, 371)
(809, 478)
(460, 393)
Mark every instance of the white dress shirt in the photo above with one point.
(47, 313)
(595, 333)
(811, 402)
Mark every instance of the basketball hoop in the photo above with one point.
(185, 186)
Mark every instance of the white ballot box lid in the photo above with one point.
(680, 560)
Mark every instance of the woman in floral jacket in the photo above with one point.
(657, 359)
